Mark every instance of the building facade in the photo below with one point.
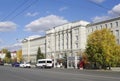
(69, 39)
(30, 48)
(112, 24)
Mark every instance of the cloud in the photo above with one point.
(114, 12)
(97, 1)
(13, 47)
(45, 23)
(63, 8)
(32, 14)
(100, 18)
(7, 26)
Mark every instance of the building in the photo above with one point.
(13, 54)
(30, 48)
(2, 55)
(112, 24)
(69, 39)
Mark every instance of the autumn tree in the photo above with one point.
(19, 55)
(102, 48)
(40, 55)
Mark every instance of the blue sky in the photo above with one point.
(23, 18)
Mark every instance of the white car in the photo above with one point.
(25, 65)
(44, 63)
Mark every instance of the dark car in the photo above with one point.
(1, 63)
(15, 64)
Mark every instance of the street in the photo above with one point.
(8, 73)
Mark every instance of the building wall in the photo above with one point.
(68, 38)
(112, 24)
(30, 48)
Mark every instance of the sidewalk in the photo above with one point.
(115, 69)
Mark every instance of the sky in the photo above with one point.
(21, 19)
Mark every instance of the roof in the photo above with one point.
(109, 20)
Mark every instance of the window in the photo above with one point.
(105, 25)
(92, 29)
(117, 41)
(117, 32)
(76, 45)
(111, 25)
(96, 27)
(49, 61)
(76, 37)
(41, 61)
(76, 31)
(116, 24)
(112, 32)
(101, 26)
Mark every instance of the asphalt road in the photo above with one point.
(34, 74)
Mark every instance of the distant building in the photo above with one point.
(13, 54)
(30, 48)
(2, 55)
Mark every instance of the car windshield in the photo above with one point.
(49, 61)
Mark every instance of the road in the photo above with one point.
(34, 74)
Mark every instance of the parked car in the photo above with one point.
(44, 63)
(25, 65)
(15, 64)
(2, 63)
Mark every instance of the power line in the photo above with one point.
(19, 13)
(18, 7)
(101, 6)
(35, 1)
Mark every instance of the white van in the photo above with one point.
(44, 63)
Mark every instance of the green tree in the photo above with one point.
(8, 57)
(101, 46)
(4, 50)
(39, 54)
(8, 54)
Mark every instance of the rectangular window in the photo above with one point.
(76, 31)
(96, 27)
(77, 37)
(117, 41)
(101, 26)
(111, 25)
(92, 29)
(112, 32)
(116, 24)
(117, 33)
(105, 25)
(76, 45)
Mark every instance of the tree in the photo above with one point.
(8, 57)
(4, 50)
(39, 54)
(8, 54)
(101, 46)
(19, 55)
